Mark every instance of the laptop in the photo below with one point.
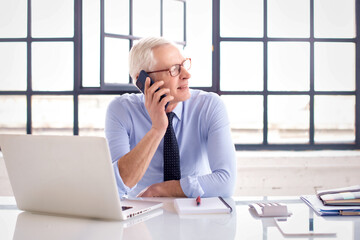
(66, 175)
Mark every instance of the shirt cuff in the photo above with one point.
(191, 186)
(122, 188)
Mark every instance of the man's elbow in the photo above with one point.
(228, 190)
(228, 180)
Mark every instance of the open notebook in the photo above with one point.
(207, 205)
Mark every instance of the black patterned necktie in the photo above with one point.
(171, 153)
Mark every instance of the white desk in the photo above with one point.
(166, 224)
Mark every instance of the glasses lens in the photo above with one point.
(175, 70)
(187, 64)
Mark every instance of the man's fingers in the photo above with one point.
(151, 89)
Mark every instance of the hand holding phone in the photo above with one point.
(140, 83)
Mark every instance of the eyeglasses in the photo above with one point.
(176, 69)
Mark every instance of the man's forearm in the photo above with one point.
(164, 189)
(133, 165)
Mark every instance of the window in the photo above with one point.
(37, 72)
(63, 61)
(120, 24)
(287, 70)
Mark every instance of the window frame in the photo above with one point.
(312, 145)
(129, 87)
(107, 89)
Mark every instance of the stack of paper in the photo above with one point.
(315, 203)
(341, 196)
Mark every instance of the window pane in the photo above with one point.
(13, 66)
(242, 18)
(334, 119)
(146, 18)
(52, 18)
(241, 66)
(174, 20)
(13, 114)
(91, 43)
(52, 66)
(116, 16)
(52, 115)
(13, 19)
(199, 41)
(116, 60)
(288, 18)
(246, 118)
(288, 119)
(288, 66)
(92, 111)
(334, 19)
(334, 66)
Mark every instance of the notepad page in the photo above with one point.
(208, 205)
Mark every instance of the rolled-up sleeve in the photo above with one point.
(118, 141)
(221, 155)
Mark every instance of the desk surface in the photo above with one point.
(166, 224)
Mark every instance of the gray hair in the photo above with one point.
(141, 55)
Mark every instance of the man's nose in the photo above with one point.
(184, 73)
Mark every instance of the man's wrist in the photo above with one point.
(173, 189)
(157, 132)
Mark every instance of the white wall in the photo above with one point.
(5, 188)
(278, 173)
(295, 173)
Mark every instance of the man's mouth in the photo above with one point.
(183, 87)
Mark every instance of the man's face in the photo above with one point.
(166, 56)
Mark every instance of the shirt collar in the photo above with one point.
(179, 110)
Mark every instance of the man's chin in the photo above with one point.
(182, 96)
(186, 96)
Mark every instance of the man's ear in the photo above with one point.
(137, 76)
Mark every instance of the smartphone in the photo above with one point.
(140, 83)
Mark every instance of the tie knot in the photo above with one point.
(170, 116)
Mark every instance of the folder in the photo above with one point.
(316, 204)
(340, 196)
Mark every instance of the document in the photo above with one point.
(316, 204)
(207, 205)
(348, 196)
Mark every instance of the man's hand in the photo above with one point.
(164, 189)
(133, 165)
(154, 106)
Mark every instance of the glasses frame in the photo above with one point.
(180, 65)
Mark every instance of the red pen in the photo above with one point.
(198, 201)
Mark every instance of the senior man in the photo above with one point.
(136, 125)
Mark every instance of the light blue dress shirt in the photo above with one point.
(201, 124)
